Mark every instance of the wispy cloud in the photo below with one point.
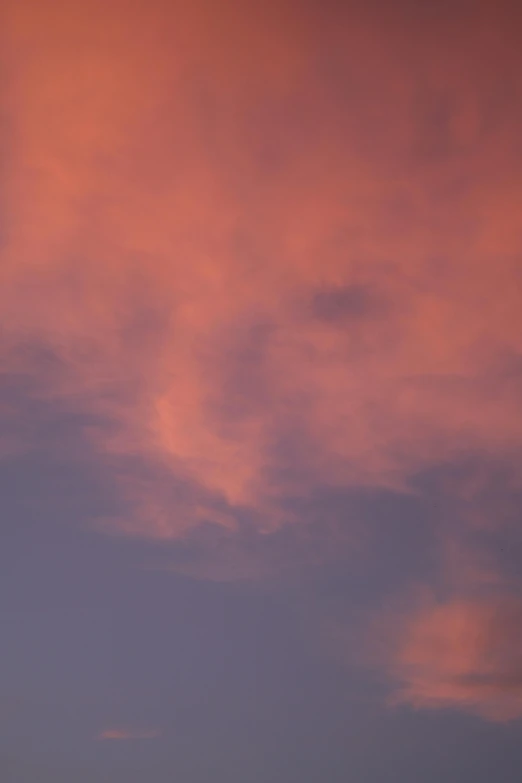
(128, 734)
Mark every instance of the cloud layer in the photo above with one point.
(271, 249)
(265, 269)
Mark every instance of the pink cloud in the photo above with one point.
(317, 267)
(464, 655)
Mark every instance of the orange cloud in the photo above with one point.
(128, 734)
(267, 272)
(464, 655)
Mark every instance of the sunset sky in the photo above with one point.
(261, 391)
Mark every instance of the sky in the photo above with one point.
(260, 391)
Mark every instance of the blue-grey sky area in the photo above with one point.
(260, 392)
